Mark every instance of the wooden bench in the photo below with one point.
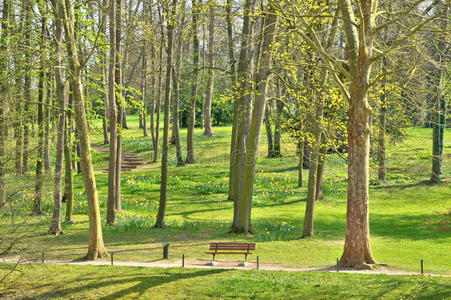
(231, 248)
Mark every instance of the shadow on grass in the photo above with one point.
(136, 284)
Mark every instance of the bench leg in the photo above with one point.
(213, 262)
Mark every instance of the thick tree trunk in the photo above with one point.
(111, 210)
(96, 248)
(194, 82)
(243, 224)
(241, 109)
(208, 130)
(167, 106)
(357, 249)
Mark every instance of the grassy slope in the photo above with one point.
(93, 282)
(397, 211)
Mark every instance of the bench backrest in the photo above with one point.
(232, 246)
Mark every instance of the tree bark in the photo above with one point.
(47, 163)
(111, 210)
(243, 224)
(55, 224)
(96, 248)
(167, 106)
(121, 124)
(176, 86)
(208, 130)
(68, 177)
(194, 82)
(268, 130)
(40, 150)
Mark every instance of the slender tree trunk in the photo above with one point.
(167, 106)
(277, 125)
(41, 129)
(381, 138)
(314, 158)
(233, 80)
(156, 145)
(47, 164)
(194, 82)
(27, 90)
(208, 131)
(55, 224)
(111, 210)
(301, 161)
(268, 130)
(143, 114)
(176, 76)
(96, 248)
(18, 134)
(243, 224)
(320, 173)
(68, 177)
(121, 125)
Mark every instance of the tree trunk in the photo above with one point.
(381, 138)
(156, 140)
(41, 129)
(55, 224)
(27, 90)
(167, 106)
(243, 224)
(68, 177)
(47, 164)
(268, 130)
(111, 210)
(208, 130)
(121, 123)
(320, 173)
(96, 248)
(143, 115)
(277, 125)
(241, 109)
(194, 81)
(301, 161)
(3, 97)
(176, 76)
(233, 80)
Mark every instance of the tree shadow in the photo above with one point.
(138, 284)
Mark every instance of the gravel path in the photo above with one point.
(203, 264)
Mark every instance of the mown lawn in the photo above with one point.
(106, 282)
(199, 213)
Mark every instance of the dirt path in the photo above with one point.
(228, 265)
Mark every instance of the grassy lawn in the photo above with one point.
(93, 282)
(199, 213)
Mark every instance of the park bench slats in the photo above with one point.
(228, 248)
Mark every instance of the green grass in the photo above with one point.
(106, 282)
(198, 212)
